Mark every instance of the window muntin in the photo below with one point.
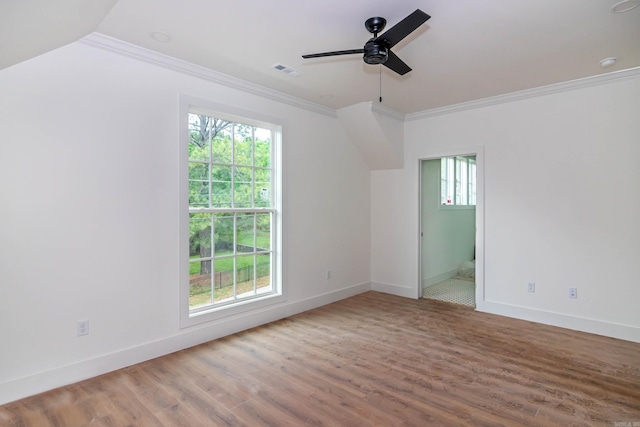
(232, 212)
(458, 181)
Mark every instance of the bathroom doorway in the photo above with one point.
(448, 201)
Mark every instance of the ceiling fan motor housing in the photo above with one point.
(375, 52)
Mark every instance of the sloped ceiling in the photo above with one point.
(29, 28)
(468, 50)
(376, 134)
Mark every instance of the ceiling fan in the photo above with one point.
(377, 50)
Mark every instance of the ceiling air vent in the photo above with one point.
(287, 70)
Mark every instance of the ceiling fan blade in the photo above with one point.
(403, 28)
(336, 53)
(396, 64)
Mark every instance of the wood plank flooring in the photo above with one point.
(370, 360)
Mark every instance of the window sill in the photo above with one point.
(214, 313)
(456, 207)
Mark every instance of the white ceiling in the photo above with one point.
(468, 50)
(29, 28)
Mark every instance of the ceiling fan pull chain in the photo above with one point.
(380, 83)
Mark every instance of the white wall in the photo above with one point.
(89, 215)
(448, 235)
(562, 205)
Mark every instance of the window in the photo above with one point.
(233, 215)
(458, 181)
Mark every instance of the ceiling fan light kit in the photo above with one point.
(377, 50)
(375, 54)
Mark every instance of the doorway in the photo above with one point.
(448, 244)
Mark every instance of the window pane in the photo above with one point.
(198, 137)
(221, 147)
(458, 180)
(262, 148)
(243, 186)
(263, 232)
(199, 285)
(262, 188)
(472, 182)
(230, 174)
(245, 232)
(223, 234)
(224, 284)
(263, 273)
(200, 235)
(464, 181)
(198, 185)
(451, 181)
(443, 181)
(447, 172)
(456, 194)
(243, 145)
(220, 186)
(245, 276)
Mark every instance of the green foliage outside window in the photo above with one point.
(229, 168)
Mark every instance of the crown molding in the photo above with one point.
(120, 47)
(528, 93)
(386, 111)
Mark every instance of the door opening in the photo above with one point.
(448, 246)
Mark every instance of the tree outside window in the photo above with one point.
(231, 211)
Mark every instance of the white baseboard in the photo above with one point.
(592, 326)
(401, 291)
(439, 278)
(48, 380)
(72, 373)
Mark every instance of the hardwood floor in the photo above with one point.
(372, 359)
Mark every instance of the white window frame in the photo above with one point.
(192, 317)
(462, 181)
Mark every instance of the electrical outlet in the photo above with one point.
(531, 286)
(573, 293)
(328, 274)
(83, 327)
